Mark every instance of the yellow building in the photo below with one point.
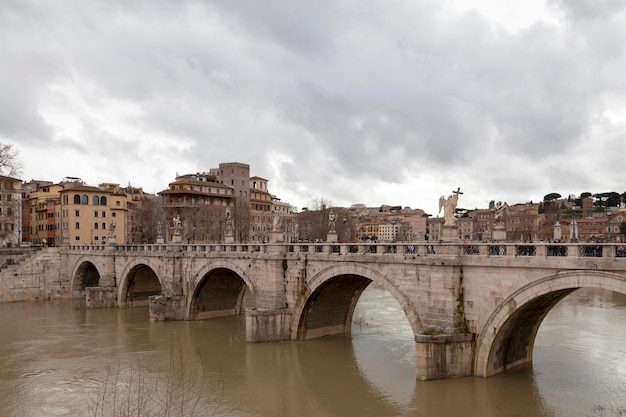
(91, 215)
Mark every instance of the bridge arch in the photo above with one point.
(138, 282)
(507, 338)
(327, 304)
(218, 289)
(85, 274)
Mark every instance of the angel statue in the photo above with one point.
(449, 205)
(501, 210)
(177, 224)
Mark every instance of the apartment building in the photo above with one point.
(237, 176)
(40, 201)
(89, 215)
(261, 221)
(201, 203)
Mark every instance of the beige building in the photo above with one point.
(386, 232)
(237, 176)
(260, 210)
(40, 221)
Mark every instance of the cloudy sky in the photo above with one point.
(354, 101)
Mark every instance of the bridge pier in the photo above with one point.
(267, 325)
(101, 297)
(165, 308)
(444, 356)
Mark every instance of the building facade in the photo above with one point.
(91, 215)
(261, 221)
(201, 203)
(10, 211)
(237, 176)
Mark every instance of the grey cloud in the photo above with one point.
(345, 89)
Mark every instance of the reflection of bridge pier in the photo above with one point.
(474, 308)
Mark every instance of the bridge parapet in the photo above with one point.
(470, 249)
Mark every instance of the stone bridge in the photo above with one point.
(474, 308)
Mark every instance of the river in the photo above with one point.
(58, 359)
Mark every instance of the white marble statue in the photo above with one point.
(449, 205)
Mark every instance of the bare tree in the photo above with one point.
(10, 164)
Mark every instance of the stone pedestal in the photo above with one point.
(160, 240)
(278, 237)
(165, 308)
(177, 238)
(443, 356)
(450, 234)
(331, 237)
(229, 239)
(498, 235)
(267, 325)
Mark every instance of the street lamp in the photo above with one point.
(608, 217)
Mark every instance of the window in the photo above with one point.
(113, 214)
(104, 226)
(77, 238)
(117, 203)
(103, 201)
(84, 200)
(96, 200)
(95, 238)
(95, 214)
(77, 213)
(104, 214)
(95, 226)
(77, 225)
(76, 199)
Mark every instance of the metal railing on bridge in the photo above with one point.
(405, 249)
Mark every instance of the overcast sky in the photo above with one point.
(354, 101)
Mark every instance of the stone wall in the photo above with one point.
(35, 276)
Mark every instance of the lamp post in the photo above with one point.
(608, 217)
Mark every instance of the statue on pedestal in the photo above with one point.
(449, 206)
(501, 211)
(177, 224)
(331, 221)
(276, 227)
(176, 237)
